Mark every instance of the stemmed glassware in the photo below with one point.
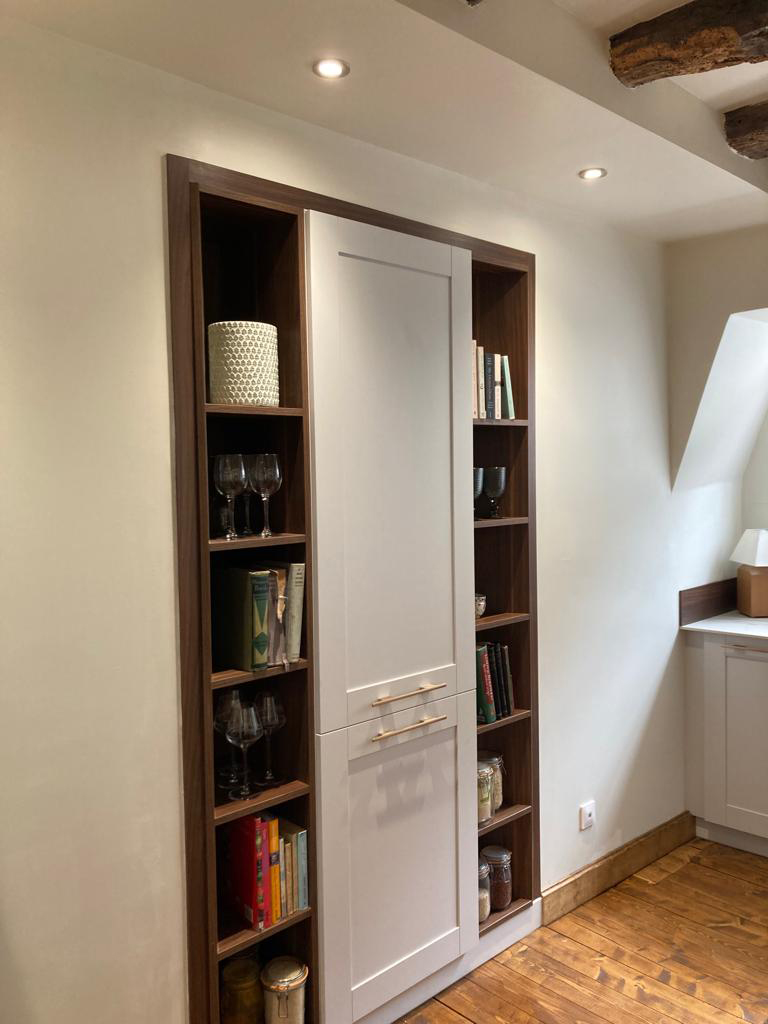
(265, 478)
(494, 485)
(250, 469)
(272, 718)
(477, 478)
(243, 730)
(229, 479)
(229, 775)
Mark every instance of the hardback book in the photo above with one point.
(508, 674)
(296, 838)
(474, 380)
(495, 681)
(497, 387)
(498, 659)
(274, 865)
(263, 875)
(489, 385)
(283, 879)
(249, 862)
(241, 610)
(293, 613)
(481, 412)
(507, 400)
(484, 688)
(303, 902)
(278, 579)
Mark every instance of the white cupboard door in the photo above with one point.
(398, 854)
(391, 371)
(746, 728)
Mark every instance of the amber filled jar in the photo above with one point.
(483, 890)
(484, 793)
(500, 863)
(495, 761)
(241, 998)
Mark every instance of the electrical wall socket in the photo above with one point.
(587, 815)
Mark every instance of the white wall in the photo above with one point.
(754, 494)
(91, 897)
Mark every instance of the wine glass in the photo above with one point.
(272, 718)
(229, 478)
(494, 485)
(243, 730)
(265, 479)
(250, 469)
(229, 775)
(477, 477)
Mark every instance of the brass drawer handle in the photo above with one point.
(408, 728)
(426, 688)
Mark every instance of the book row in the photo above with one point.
(268, 869)
(259, 614)
(495, 691)
(492, 396)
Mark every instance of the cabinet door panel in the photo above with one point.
(746, 724)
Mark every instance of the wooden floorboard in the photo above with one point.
(684, 941)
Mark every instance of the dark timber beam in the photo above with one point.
(747, 130)
(699, 36)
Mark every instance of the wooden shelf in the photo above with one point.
(234, 809)
(235, 677)
(516, 716)
(246, 543)
(247, 937)
(515, 907)
(251, 410)
(500, 423)
(503, 817)
(484, 524)
(505, 619)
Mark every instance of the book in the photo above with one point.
(488, 373)
(303, 881)
(474, 380)
(296, 837)
(283, 892)
(497, 387)
(507, 398)
(293, 615)
(262, 847)
(274, 866)
(241, 610)
(508, 674)
(495, 680)
(480, 383)
(276, 652)
(243, 875)
(484, 688)
(501, 678)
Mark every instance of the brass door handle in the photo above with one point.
(426, 688)
(408, 728)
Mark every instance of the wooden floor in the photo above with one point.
(683, 940)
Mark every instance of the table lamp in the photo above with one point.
(752, 552)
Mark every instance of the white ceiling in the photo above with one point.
(722, 90)
(420, 89)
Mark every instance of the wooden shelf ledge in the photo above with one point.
(504, 817)
(505, 619)
(238, 941)
(241, 543)
(234, 809)
(252, 410)
(484, 524)
(518, 715)
(235, 677)
(500, 423)
(515, 907)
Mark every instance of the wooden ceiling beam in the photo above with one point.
(700, 36)
(747, 130)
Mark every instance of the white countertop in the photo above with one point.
(731, 624)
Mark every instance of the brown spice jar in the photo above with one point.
(500, 862)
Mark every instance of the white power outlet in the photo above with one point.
(587, 815)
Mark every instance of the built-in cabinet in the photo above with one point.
(375, 319)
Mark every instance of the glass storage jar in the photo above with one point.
(284, 980)
(500, 863)
(484, 890)
(241, 998)
(496, 761)
(484, 793)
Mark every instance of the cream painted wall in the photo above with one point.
(755, 486)
(91, 888)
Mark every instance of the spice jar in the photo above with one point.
(483, 890)
(484, 793)
(241, 998)
(495, 761)
(284, 980)
(500, 864)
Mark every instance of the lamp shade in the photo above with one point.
(752, 549)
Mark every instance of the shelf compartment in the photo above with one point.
(504, 817)
(236, 677)
(496, 621)
(247, 937)
(516, 716)
(500, 423)
(234, 809)
(515, 907)
(252, 410)
(485, 524)
(247, 543)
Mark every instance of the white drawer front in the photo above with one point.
(401, 727)
(382, 700)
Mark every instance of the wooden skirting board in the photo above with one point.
(614, 867)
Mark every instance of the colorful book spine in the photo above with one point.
(484, 687)
(497, 387)
(283, 893)
(489, 385)
(289, 900)
(274, 868)
(474, 380)
(261, 907)
(294, 611)
(495, 680)
(263, 827)
(260, 614)
(508, 674)
(508, 400)
(480, 382)
(276, 654)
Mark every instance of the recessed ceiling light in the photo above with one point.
(331, 67)
(593, 173)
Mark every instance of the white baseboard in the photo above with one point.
(731, 837)
(489, 946)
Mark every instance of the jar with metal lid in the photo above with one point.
(483, 890)
(284, 980)
(241, 998)
(496, 761)
(484, 793)
(500, 864)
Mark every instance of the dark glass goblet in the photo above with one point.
(494, 485)
(477, 477)
(272, 717)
